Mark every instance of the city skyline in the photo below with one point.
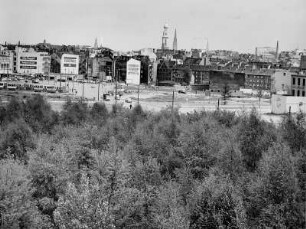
(236, 25)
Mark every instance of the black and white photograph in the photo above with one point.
(152, 114)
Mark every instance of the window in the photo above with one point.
(293, 92)
(299, 81)
(303, 93)
(298, 92)
(303, 82)
(293, 81)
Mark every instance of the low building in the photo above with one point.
(284, 104)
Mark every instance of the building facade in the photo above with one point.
(31, 62)
(298, 85)
(6, 62)
(258, 81)
(70, 64)
(164, 70)
(281, 81)
(133, 69)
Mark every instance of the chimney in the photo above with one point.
(276, 53)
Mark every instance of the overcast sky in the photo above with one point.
(239, 25)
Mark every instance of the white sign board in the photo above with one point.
(133, 72)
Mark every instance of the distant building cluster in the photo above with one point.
(267, 69)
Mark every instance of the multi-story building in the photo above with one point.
(219, 79)
(164, 69)
(303, 63)
(200, 75)
(30, 62)
(298, 85)
(258, 80)
(70, 64)
(281, 81)
(6, 61)
(147, 73)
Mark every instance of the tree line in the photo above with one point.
(93, 168)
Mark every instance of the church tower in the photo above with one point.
(175, 41)
(165, 37)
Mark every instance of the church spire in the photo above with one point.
(175, 41)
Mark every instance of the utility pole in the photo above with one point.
(115, 77)
(83, 90)
(138, 93)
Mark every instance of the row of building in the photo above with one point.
(202, 69)
(28, 61)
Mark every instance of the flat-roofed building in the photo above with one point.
(31, 62)
(70, 64)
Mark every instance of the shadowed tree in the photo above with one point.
(255, 136)
(15, 140)
(38, 114)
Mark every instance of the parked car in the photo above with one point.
(38, 88)
(2, 85)
(11, 87)
(50, 89)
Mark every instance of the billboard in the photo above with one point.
(133, 72)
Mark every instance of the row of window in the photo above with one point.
(258, 81)
(258, 86)
(298, 81)
(5, 66)
(257, 77)
(298, 93)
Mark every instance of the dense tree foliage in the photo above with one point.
(88, 167)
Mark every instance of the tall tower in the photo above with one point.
(165, 37)
(276, 52)
(96, 43)
(175, 41)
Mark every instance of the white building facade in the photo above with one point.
(31, 62)
(70, 64)
(133, 72)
